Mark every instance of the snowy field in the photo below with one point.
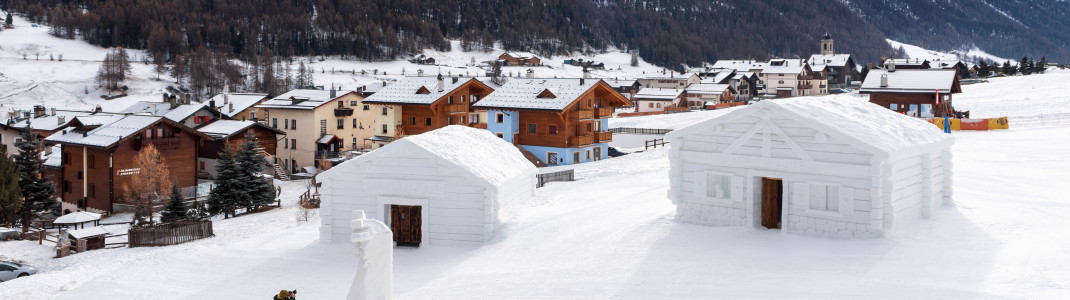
(1027, 101)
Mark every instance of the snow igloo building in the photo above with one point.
(836, 167)
(444, 187)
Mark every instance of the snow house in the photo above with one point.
(836, 167)
(444, 187)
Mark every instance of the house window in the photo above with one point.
(159, 132)
(474, 99)
(285, 123)
(293, 124)
(449, 100)
(718, 186)
(323, 127)
(474, 118)
(202, 165)
(293, 143)
(553, 129)
(66, 186)
(576, 157)
(92, 162)
(66, 158)
(531, 128)
(384, 128)
(79, 175)
(412, 120)
(354, 123)
(824, 197)
(384, 110)
(342, 123)
(148, 134)
(501, 135)
(367, 107)
(285, 144)
(274, 122)
(353, 103)
(650, 104)
(588, 154)
(501, 118)
(428, 121)
(341, 104)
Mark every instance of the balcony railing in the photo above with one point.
(604, 112)
(456, 108)
(604, 136)
(581, 115)
(478, 125)
(343, 112)
(581, 140)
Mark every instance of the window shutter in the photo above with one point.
(847, 200)
(737, 189)
(801, 197)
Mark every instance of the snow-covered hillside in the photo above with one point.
(971, 54)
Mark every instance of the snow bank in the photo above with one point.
(668, 121)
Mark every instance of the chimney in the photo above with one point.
(97, 109)
(231, 106)
(38, 111)
(173, 103)
(53, 111)
(61, 120)
(891, 67)
(363, 88)
(420, 72)
(164, 97)
(334, 93)
(884, 80)
(581, 81)
(384, 83)
(441, 84)
(211, 103)
(185, 98)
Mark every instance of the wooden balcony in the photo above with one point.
(604, 112)
(581, 115)
(343, 112)
(580, 140)
(604, 136)
(456, 108)
(478, 125)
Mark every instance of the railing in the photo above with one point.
(343, 112)
(455, 108)
(806, 86)
(566, 175)
(581, 115)
(170, 233)
(164, 143)
(654, 144)
(604, 136)
(640, 130)
(604, 112)
(581, 140)
(478, 125)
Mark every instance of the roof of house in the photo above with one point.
(669, 76)
(88, 232)
(111, 130)
(707, 88)
(408, 90)
(740, 65)
(905, 61)
(945, 63)
(521, 54)
(222, 129)
(182, 112)
(50, 122)
(240, 101)
(477, 153)
(77, 217)
(310, 99)
(158, 109)
(785, 66)
(831, 60)
(524, 93)
(658, 94)
(617, 83)
(912, 81)
(869, 126)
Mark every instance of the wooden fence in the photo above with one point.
(640, 130)
(170, 233)
(566, 175)
(654, 144)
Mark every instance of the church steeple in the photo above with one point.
(827, 47)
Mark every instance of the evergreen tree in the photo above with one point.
(227, 189)
(1024, 67)
(37, 189)
(1042, 65)
(249, 162)
(176, 209)
(1008, 69)
(199, 212)
(635, 59)
(8, 21)
(10, 195)
(982, 68)
(865, 72)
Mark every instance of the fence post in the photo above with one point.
(40, 237)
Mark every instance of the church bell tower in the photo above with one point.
(826, 45)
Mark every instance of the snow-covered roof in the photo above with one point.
(944, 63)
(523, 93)
(911, 81)
(326, 138)
(51, 122)
(785, 66)
(307, 99)
(707, 88)
(905, 61)
(521, 54)
(77, 218)
(477, 152)
(88, 232)
(225, 128)
(618, 83)
(670, 76)
(658, 94)
(416, 90)
(740, 65)
(184, 111)
(831, 60)
(239, 101)
(158, 109)
(107, 134)
(55, 158)
(868, 126)
(722, 76)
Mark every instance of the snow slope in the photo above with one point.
(1027, 101)
(922, 53)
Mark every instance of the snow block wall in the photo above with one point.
(836, 180)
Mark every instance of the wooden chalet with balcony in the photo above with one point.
(559, 121)
(918, 93)
(231, 133)
(415, 105)
(98, 153)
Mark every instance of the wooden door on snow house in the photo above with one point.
(405, 222)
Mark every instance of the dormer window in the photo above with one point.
(546, 94)
(423, 91)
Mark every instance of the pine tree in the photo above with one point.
(227, 189)
(249, 162)
(37, 190)
(982, 68)
(865, 72)
(8, 21)
(635, 59)
(176, 209)
(10, 195)
(1023, 65)
(199, 212)
(1042, 65)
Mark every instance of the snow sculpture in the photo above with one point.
(373, 244)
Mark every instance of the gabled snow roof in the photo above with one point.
(787, 66)
(520, 54)
(658, 94)
(50, 122)
(740, 65)
(77, 217)
(112, 129)
(222, 129)
(158, 109)
(944, 63)
(722, 76)
(707, 88)
(88, 232)
(184, 111)
(404, 91)
(617, 83)
(523, 93)
(670, 76)
(240, 101)
(831, 60)
(905, 61)
(311, 99)
(868, 126)
(912, 81)
(474, 152)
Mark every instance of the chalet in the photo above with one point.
(655, 99)
(951, 64)
(907, 63)
(317, 124)
(231, 133)
(423, 60)
(98, 154)
(626, 87)
(238, 106)
(792, 78)
(745, 84)
(919, 93)
(193, 115)
(520, 59)
(752, 66)
(39, 120)
(669, 81)
(446, 186)
(835, 168)
(560, 121)
(839, 67)
(415, 105)
(701, 94)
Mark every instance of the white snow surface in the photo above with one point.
(523, 93)
(669, 121)
(1027, 101)
(926, 54)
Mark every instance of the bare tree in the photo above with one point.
(149, 186)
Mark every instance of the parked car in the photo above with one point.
(10, 270)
